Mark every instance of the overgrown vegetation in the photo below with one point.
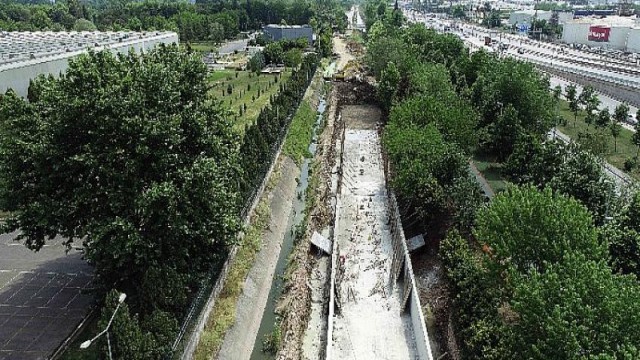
(296, 145)
(155, 188)
(204, 22)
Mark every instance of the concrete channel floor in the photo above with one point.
(43, 297)
(370, 324)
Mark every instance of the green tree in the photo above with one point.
(457, 12)
(621, 113)
(84, 25)
(492, 20)
(257, 62)
(595, 191)
(604, 118)
(154, 182)
(589, 99)
(534, 161)
(426, 167)
(273, 53)
(454, 118)
(521, 226)
(571, 94)
(293, 57)
(515, 96)
(616, 129)
(635, 138)
(572, 309)
(388, 86)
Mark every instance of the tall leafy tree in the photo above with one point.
(521, 226)
(621, 113)
(571, 94)
(388, 87)
(604, 118)
(129, 156)
(615, 129)
(574, 310)
(635, 138)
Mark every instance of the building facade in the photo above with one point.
(288, 32)
(614, 33)
(25, 55)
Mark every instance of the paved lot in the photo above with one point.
(41, 298)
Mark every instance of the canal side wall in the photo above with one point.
(335, 250)
(194, 337)
(415, 308)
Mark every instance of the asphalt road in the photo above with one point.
(232, 46)
(42, 298)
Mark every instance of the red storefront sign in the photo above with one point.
(599, 33)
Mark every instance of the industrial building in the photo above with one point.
(25, 55)
(288, 32)
(527, 16)
(613, 32)
(522, 17)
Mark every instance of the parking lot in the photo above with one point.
(43, 297)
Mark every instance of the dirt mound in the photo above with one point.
(355, 93)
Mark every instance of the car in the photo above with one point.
(520, 51)
(631, 120)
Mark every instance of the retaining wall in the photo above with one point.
(415, 307)
(335, 250)
(618, 92)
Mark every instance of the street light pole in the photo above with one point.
(88, 343)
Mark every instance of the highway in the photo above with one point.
(559, 56)
(555, 56)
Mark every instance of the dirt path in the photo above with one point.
(340, 47)
(239, 340)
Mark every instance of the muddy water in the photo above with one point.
(269, 318)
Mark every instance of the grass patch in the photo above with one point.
(203, 47)
(220, 75)
(296, 145)
(491, 170)
(224, 311)
(248, 89)
(272, 341)
(625, 149)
